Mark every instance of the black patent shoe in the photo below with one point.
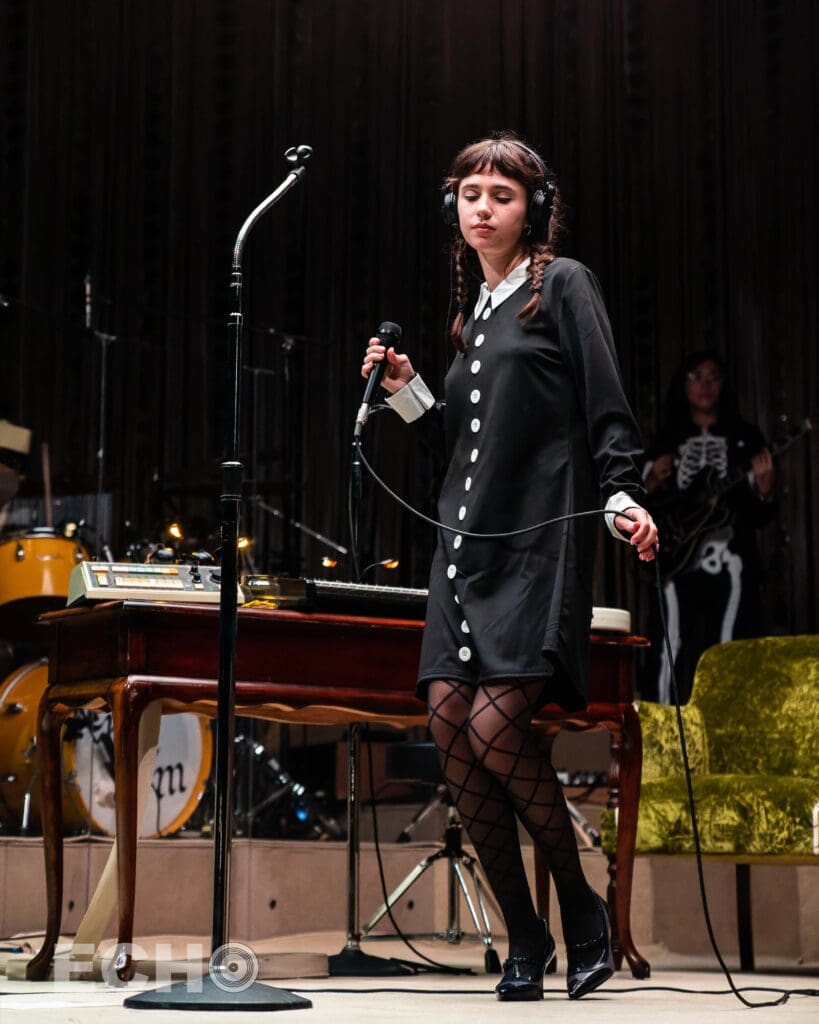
(590, 963)
(523, 975)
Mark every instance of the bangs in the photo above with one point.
(496, 156)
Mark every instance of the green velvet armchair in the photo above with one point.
(752, 733)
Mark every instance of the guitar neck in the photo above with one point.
(778, 446)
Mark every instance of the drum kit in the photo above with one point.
(34, 572)
(34, 578)
(36, 563)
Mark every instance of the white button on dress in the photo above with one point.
(457, 599)
(457, 542)
(475, 425)
(462, 512)
(467, 483)
(451, 571)
(474, 456)
(464, 626)
(475, 397)
(479, 341)
(476, 365)
(487, 313)
(464, 654)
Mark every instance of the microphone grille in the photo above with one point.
(390, 328)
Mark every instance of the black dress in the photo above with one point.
(537, 426)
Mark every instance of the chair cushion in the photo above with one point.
(737, 814)
(758, 700)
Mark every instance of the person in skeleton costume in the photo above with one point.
(715, 597)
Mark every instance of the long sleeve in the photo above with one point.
(586, 339)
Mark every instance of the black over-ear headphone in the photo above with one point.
(540, 201)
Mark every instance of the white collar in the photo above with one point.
(503, 289)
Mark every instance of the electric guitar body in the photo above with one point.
(683, 518)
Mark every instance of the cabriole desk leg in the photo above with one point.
(126, 709)
(631, 766)
(49, 731)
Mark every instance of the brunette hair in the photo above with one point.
(508, 155)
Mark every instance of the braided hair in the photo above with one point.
(504, 154)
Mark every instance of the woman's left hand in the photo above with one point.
(643, 532)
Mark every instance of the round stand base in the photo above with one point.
(184, 996)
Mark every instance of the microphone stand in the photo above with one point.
(352, 961)
(226, 985)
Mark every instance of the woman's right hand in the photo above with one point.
(399, 369)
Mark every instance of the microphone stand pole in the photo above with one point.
(352, 961)
(230, 982)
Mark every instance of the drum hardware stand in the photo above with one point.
(325, 826)
(458, 861)
(25, 819)
(439, 797)
(278, 514)
(586, 832)
(230, 981)
(29, 755)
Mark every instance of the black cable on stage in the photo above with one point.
(809, 992)
(481, 536)
(784, 993)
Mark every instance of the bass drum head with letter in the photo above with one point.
(182, 767)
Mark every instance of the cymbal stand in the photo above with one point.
(307, 530)
(324, 825)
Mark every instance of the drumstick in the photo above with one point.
(44, 459)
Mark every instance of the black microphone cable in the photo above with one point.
(466, 533)
(785, 993)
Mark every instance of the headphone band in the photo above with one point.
(538, 159)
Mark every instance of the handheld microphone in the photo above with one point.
(389, 335)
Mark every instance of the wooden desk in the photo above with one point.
(291, 667)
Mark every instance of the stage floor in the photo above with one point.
(435, 998)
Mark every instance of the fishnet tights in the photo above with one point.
(497, 773)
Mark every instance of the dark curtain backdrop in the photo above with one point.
(136, 137)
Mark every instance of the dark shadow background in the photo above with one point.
(136, 136)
